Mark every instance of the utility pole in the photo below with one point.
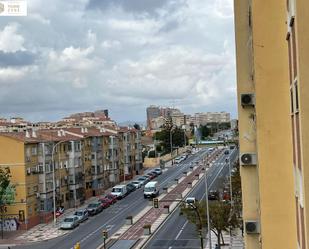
(228, 160)
(207, 208)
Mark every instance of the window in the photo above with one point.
(296, 97)
(33, 151)
(292, 104)
(42, 206)
(28, 152)
(294, 52)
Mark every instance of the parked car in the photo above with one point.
(82, 215)
(105, 199)
(120, 191)
(105, 203)
(131, 187)
(151, 175)
(147, 178)
(143, 180)
(59, 211)
(111, 197)
(153, 172)
(158, 171)
(69, 222)
(137, 184)
(94, 208)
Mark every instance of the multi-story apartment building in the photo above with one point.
(152, 112)
(158, 123)
(71, 164)
(272, 58)
(204, 118)
(178, 119)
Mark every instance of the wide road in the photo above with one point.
(89, 233)
(177, 232)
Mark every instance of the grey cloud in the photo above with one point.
(172, 25)
(149, 6)
(19, 58)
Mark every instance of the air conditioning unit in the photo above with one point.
(248, 159)
(247, 99)
(252, 227)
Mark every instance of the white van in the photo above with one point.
(119, 191)
(151, 189)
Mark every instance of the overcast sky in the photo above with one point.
(123, 55)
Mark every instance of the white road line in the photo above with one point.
(181, 230)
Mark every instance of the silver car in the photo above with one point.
(69, 222)
(82, 215)
(137, 184)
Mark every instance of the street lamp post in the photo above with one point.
(184, 135)
(207, 208)
(228, 160)
(171, 141)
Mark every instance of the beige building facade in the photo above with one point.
(272, 53)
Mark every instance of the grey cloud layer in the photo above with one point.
(70, 57)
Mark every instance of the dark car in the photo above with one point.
(213, 195)
(147, 178)
(105, 203)
(111, 197)
(154, 172)
(130, 187)
(94, 208)
(151, 175)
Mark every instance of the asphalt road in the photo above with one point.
(177, 232)
(89, 233)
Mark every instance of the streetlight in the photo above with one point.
(171, 141)
(207, 208)
(228, 160)
(184, 135)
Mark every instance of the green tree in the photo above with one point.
(205, 131)
(237, 194)
(137, 126)
(164, 136)
(221, 217)
(7, 191)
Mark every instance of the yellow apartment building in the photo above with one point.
(86, 161)
(272, 112)
(298, 50)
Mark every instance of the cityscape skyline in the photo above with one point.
(122, 55)
(120, 122)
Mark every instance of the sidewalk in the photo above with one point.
(48, 231)
(237, 241)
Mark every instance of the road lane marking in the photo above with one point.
(181, 230)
